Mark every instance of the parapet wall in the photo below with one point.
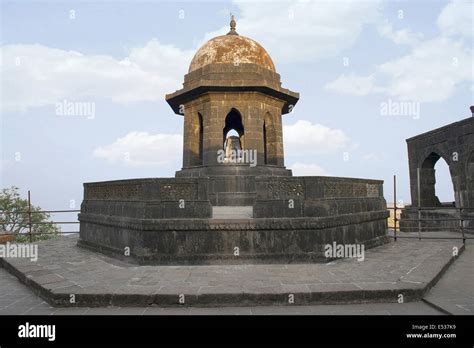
(317, 196)
(169, 221)
(164, 198)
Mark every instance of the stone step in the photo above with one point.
(232, 198)
(409, 267)
(232, 212)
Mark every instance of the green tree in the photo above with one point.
(14, 218)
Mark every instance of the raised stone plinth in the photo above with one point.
(170, 221)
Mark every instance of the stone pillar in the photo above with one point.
(279, 141)
(213, 138)
(252, 129)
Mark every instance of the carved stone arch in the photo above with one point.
(234, 121)
(428, 178)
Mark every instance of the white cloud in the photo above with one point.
(353, 84)
(373, 157)
(37, 75)
(400, 37)
(143, 149)
(431, 72)
(295, 31)
(433, 69)
(457, 18)
(305, 138)
(303, 169)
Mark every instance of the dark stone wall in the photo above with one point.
(163, 198)
(144, 215)
(317, 196)
(198, 241)
(455, 144)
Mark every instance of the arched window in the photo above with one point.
(201, 139)
(233, 132)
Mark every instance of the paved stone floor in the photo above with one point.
(16, 298)
(454, 293)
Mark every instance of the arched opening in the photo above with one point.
(443, 183)
(233, 134)
(269, 140)
(469, 198)
(265, 158)
(470, 170)
(436, 185)
(201, 139)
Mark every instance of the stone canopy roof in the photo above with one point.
(234, 49)
(231, 48)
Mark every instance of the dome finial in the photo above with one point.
(232, 26)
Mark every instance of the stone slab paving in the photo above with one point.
(454, 293)
(17, 299)
(406, 267)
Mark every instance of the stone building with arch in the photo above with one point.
(453, 143)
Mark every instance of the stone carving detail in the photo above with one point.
(113, 192)
(176, 191)
(373, 190)
(285, 190)
(350, 189)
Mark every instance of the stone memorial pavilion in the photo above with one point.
(233, 201)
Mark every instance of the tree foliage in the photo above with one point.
(14, 217)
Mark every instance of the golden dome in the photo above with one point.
(231, 48)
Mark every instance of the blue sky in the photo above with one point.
(345, 58)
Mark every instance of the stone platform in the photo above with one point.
(174, 221)
(406, 267)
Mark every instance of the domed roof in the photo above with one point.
(231, 48)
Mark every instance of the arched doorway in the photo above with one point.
(233, 132)
(443, 183)
(436, 185)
